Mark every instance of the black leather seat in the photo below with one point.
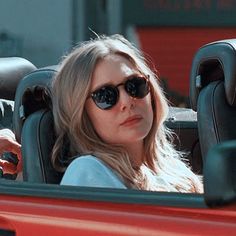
(213, 93)
(33, 126)
(12, 70)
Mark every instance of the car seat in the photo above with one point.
(12, 70)
(33, 126)
(212, 92)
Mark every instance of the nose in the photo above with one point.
(125, 101)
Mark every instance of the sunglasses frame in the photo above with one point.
(115, 88)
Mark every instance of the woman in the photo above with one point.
(109, 114)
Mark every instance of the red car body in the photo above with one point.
(55, 210)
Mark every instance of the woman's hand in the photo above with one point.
(9, 144)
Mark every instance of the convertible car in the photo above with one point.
(38, 205)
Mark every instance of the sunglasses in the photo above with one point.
(108, 95)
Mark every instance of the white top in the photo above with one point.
(89, 171)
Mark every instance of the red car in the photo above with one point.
(40, 206)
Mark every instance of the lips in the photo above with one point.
(131, 120)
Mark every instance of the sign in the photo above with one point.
(179, 13)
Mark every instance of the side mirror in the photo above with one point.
(220, 174)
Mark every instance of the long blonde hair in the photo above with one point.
(162, 167)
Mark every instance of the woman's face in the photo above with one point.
(129, 120)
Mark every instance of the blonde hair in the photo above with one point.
(162, 166)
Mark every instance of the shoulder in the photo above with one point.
(87, 160)
(7, 133)
(87, 164)
(6, 112)
(91, 172)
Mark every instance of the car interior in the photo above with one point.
(210, 122)
(33, 126)
(33, 123)
(12, 70)
(212, 93)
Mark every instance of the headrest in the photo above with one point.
(33, 94)
(12, 70)
(214, 61)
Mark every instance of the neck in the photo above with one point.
(135, 151)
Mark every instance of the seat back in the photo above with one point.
(12, 70)
(183, 121)
(212, 92)
(33, 125)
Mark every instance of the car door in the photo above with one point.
(39, 209)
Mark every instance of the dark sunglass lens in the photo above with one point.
(105, 98)
(137, 87)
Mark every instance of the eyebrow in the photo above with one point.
(122, 82)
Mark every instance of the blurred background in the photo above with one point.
(169, 32)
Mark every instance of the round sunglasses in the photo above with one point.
(108, 95)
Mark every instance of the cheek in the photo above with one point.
(101, 120)
(147, 109)
(148, 106)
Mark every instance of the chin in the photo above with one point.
(134, 138)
